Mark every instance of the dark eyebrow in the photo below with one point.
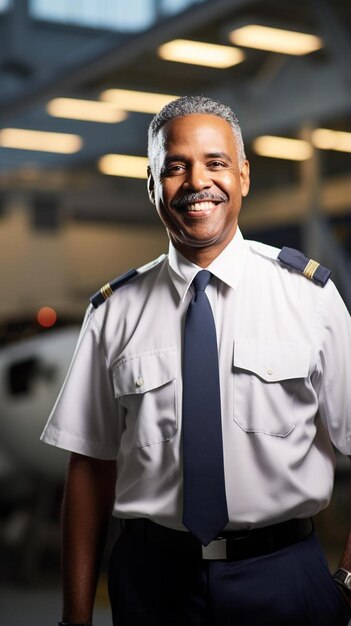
(174, 157)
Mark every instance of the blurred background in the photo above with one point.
(79, 83)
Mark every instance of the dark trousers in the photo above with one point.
(157, 585)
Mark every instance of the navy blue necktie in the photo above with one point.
(205, 510)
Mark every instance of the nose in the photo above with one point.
(197, 178)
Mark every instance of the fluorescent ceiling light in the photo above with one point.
(123, 165)
(139, 101)
(326, 139)
(23, 139)
(200, 53)
(87, 110)
(275, 39)
(282, 148)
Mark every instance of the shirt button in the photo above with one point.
(139, 381)
(269, 371)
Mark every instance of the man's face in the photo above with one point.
(197, 185)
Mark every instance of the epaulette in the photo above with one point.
(308, 267)
(107, 290)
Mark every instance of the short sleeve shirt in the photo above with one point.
(284, 346)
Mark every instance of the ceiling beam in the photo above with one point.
(302, 90)
(110, 56)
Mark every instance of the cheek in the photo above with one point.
(228, 183)
(165, 195)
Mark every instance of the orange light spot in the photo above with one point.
(46, 316)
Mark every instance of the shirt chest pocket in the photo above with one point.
(145, 387)
(267, 378)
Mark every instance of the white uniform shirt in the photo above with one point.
(285, 361)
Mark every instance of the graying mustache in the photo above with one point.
(197, 197)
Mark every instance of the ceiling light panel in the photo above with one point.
(37, 140)
(138, 101)
(86, 110)
(123, 165)
(282, 148)
(275, 39)
(200, 53)
(326, 139)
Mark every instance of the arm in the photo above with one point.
(346, 557)
(335, 391)
(87, 505)
(345, 562)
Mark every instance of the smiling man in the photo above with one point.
(198, 184)
(201, 407)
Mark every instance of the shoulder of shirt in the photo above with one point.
(294, 260)
(103, 294)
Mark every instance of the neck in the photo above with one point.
(202, 257)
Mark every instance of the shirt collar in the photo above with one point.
(227, 266)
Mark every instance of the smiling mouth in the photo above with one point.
(197, 207)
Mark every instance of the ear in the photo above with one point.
(245, 178)
(150, 185)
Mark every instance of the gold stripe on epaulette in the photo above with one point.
(310, 268)
(106, 291)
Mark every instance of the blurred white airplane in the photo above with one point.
(31, 473)
(31, 374)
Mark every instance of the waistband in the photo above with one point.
(231, 545)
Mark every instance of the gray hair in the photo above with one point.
(189, 105)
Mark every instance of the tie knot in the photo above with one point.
(201, 280)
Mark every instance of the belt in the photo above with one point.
(231, 545)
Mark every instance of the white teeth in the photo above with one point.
(201, 206)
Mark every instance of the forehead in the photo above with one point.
(197, 130)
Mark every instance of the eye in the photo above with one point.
(217, 164)
(173, 169)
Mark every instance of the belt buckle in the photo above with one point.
(215, 550)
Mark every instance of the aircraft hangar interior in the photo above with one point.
(79, 84)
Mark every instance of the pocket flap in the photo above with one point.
(272, 361)
(139, 373)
